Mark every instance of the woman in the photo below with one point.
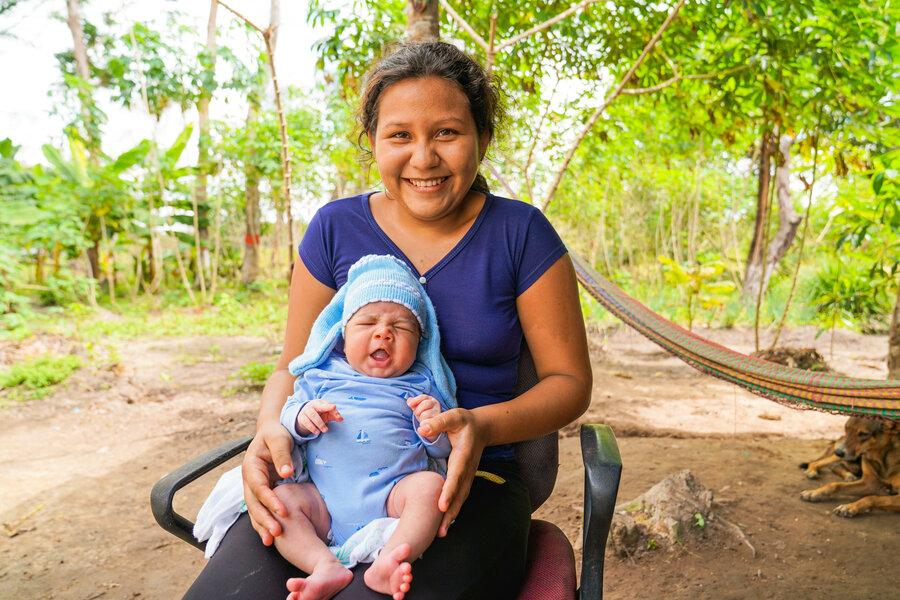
(494, 269)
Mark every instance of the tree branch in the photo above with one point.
(546, 24)
(242, 17)
(677, 78)
(596, 116)
(465, 26)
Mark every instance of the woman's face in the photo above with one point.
(426, 146)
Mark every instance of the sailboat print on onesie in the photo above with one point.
(362, 437)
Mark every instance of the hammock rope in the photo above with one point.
(790, 386)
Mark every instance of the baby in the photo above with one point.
(357, 418)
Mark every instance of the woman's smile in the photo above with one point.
(426, 185)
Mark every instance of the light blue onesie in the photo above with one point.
(356, 463)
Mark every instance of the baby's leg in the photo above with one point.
(414, 500)
(302, 544)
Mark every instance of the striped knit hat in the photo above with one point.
(380, 278)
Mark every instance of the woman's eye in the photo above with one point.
(446, 132)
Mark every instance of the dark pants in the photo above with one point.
(483, 555)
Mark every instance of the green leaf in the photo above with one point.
(129, 158)
(174, 152)
(66, 170)
(877, 182)
(79, 161)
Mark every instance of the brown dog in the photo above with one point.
(877, 444)
(848, 470)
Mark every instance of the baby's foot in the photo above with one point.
(325, 581)
(390, 573)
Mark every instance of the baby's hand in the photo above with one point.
(424, 407)
(314, 415)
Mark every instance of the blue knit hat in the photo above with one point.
(379, 278)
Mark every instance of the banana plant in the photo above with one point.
(698, 283)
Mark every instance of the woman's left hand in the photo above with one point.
(467, 440)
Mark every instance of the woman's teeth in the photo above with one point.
(427, 182)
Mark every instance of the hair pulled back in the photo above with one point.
(436, 59)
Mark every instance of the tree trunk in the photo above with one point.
(788, 219)
(759, 272)
(753, 273)
(203, 153)
(82, 65)
(93, 253)
(893, 359)
(250, 265)
(423, 21)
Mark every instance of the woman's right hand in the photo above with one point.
(268, 459)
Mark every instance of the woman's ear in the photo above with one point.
(371, 139)
(484, 141)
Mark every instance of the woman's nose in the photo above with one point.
(423, 155)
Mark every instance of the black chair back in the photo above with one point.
(538, 458)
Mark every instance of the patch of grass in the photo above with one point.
(255, 374)
(33, 378)
(260, 310)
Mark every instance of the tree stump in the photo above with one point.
(677, 511)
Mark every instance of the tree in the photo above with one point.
(423, 21)
(204, 158)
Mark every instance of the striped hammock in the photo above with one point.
(790, 386)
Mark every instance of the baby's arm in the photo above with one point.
(426, 407)
(312, 418)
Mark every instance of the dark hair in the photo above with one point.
(437, 59)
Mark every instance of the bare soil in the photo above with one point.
(76, 470)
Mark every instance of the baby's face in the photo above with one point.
(381, 339)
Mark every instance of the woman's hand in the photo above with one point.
(467, 441)
(268, 459)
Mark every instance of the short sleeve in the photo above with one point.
(314, 251)
(541, 247)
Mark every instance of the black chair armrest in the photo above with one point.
(602, 470)
(164, 490)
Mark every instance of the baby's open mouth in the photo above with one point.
(380, 354)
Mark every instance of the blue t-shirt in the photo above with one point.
(473, 288)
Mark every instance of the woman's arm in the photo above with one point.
(268, 457)
(550, 313)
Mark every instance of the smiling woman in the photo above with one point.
(496, 273)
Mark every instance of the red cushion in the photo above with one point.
(550, 573)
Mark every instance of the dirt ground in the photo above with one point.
(76, 470)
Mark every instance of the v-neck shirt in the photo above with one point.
(473, 287)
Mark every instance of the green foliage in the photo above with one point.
(699, 285)
(844, 293)
(699, 520)
(255, 374)
(258, 311)
(38, 374)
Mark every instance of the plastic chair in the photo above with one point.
(550, 573)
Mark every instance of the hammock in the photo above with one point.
(790, 386)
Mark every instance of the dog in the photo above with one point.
(848, 470)
(877, 445)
